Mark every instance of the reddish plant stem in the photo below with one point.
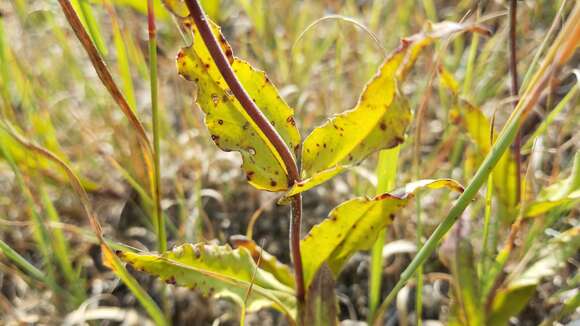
(265, 126)
(513, 66)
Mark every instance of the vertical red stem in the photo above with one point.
(265, 126)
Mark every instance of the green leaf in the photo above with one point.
(565, 192)
(466, 285)
(514, 296)
(217, 271)
(355, 224)
(230, 127)
(268, 262)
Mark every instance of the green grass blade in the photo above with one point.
(87, 17)
(159, 221)
(386, 175)
(122, 58)
(23, 263)
(552, 115)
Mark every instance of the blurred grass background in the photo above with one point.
(52, 96)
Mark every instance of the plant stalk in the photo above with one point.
(513, 66)
(265, 126)
(161, 237)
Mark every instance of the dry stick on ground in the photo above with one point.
(260, 120)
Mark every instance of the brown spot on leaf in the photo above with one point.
(291, 121)
(171, 280)
(215, 99)
(220, 122)
(385, 196)
(215, 137)
(383, 126)
(273, 183)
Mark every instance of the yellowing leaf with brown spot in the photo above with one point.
(218, 271)
(229, 125)
(355, 224)
(378, 121)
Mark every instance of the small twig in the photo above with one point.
(265, 126)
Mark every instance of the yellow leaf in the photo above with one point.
(478, 128)
(230, 126)
(217, 271)
(355, 224)
(378, 121)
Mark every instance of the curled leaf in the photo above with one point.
(355, 224)
(230, 126)
(217, 271)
